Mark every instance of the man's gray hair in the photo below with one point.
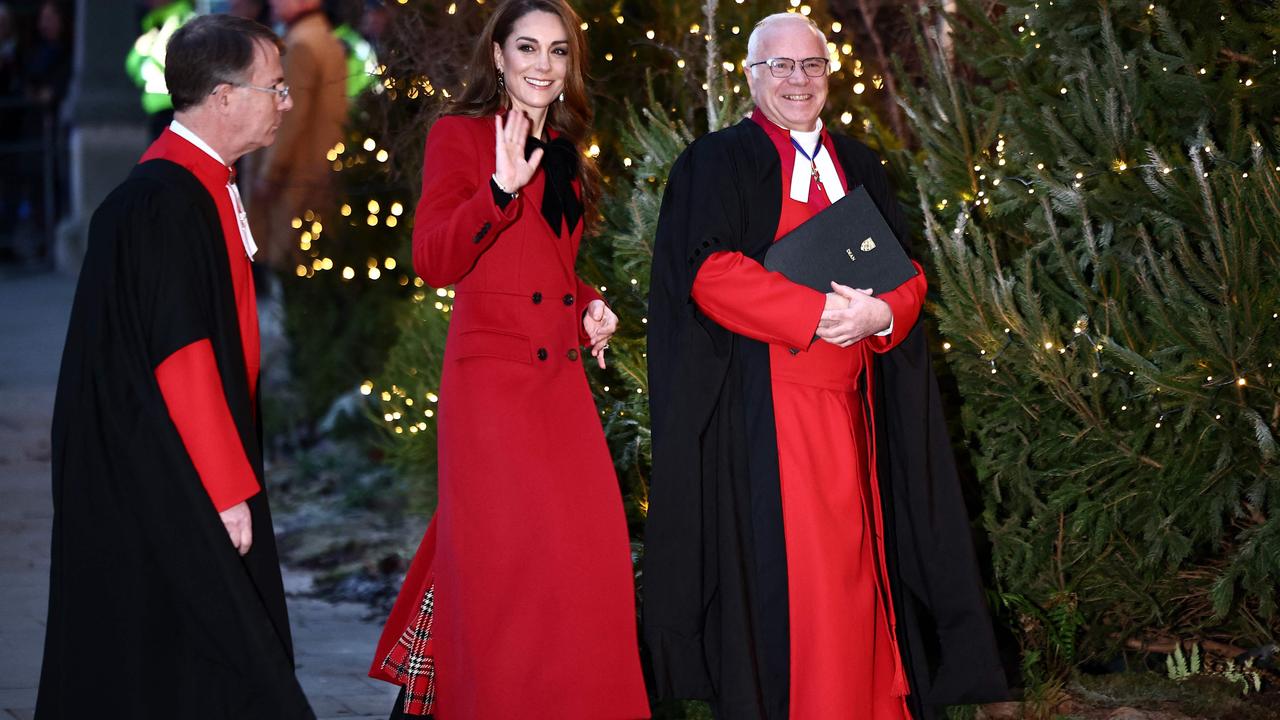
(757, 33)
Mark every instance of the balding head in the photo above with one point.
(774, 23)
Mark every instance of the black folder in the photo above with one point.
(849, 242)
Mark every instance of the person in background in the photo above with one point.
(145, 62)
(10, 125)
(293, 176)
(373, 24)
(256, 10)
(164, 562)
(519, 602)
(362, 62)
(46, 78)
(9, 71)
(48, 66)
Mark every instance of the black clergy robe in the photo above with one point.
(715, 578)
(152, 611)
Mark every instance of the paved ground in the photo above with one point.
(333, 641)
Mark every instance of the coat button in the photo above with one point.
(537, 298)
(573, 354)
(568, 299)
(542, 353)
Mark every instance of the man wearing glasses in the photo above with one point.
(165, 595)
(807, 548)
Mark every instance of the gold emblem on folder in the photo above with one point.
(868, 245)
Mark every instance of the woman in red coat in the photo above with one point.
(519, 602)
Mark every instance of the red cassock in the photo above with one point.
(527, 560)
(844, 657)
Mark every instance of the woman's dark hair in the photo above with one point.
(208, 51)
(481, 96)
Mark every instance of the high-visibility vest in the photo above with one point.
(145, 63)
(362, 61)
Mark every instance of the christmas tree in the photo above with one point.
(1099, 188)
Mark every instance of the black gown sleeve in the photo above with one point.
(170, 294)
(688, 356)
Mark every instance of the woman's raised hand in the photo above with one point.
(513, 171)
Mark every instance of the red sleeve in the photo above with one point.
(457, 218)
(742, 296)
(904, 302)
(192, 391)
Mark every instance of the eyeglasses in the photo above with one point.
(783, 67)
(281, 93)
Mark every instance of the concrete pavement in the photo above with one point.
(333, 641)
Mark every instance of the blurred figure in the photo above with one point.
(10, 120)
(45, 76)
(373, 24)
(48, 70)
(8, 52)
(293, 175)
(145, 63)
(362, 62)
(256, 10)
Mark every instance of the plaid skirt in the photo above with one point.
(411, 662)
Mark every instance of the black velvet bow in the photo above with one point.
(560, 163)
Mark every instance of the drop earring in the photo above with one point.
(562, 97)
(502, 81)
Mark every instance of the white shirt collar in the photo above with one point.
(808, 138)
(242, 218)
(185, 133)
(803, 169)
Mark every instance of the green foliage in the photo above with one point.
(1179, 666)
(1244, 675)
(405, 397)
(1100, 197)
(1048, 642)
(342, 300)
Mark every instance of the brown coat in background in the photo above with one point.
(293, 175)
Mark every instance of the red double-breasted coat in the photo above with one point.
(528, 555)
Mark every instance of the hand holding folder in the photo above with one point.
(849, 243)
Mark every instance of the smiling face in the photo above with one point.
(796, 101)
(534, 60)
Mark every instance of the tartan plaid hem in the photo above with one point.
(410, 660)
